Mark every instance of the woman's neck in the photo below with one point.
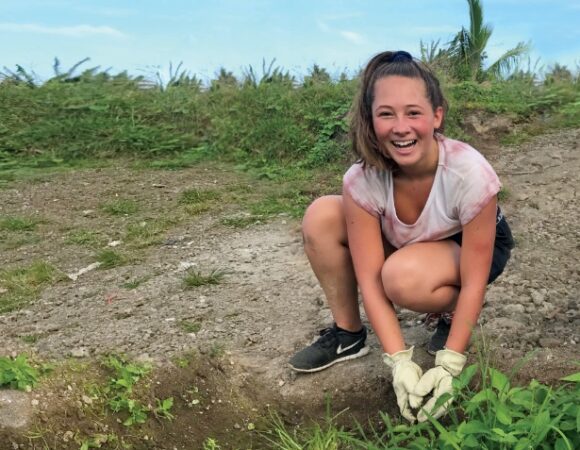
(424, 168)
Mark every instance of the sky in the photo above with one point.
(145, 36)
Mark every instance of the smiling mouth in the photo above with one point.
(404, 144)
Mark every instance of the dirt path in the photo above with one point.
(269, 303)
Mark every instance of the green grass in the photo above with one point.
(110, 258)
(242, 221)
(148, 232)
(18, 224)
(85, 238)
(189, 326)
(196, 201)
(121, 207)
(22, 285)
(195, 278)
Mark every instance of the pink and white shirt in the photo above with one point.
(464, 183)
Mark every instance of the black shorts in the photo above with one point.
(502, 249)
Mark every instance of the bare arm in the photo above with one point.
(368, 256)
(474, 265)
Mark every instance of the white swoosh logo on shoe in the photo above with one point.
(340, 350)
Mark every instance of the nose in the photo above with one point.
(401, 126)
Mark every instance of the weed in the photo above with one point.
(13, 223)
(197, 201)
(217, 350)
(195, 278)
(17, 373)
(121, 207)
(134, 284)
(190, 327)
(496, 416)
(504, 194)
(86, 238)
(146, 233)
(22, 285)
(211, 444)
(110, 258)
(30, 338)
(196, 196)
(242, 221)
(163, 408)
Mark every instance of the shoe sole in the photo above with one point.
(362, 352)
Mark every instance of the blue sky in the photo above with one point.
(144, 36)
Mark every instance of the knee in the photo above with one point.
(401, 280)
(323, 221)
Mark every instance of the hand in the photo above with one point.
(406, 374)
(448, 364)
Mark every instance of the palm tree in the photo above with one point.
(467, 49)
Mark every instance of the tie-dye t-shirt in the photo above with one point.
(464, 183)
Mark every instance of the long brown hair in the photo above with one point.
(364, 141)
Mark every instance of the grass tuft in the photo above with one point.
(13, 223)
(20, 286)
(110, 258)
(121, 207)
(195, 278)
(189, 326)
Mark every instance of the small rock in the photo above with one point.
(549, 342)
(79, 352)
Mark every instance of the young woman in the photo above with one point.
(417, 226)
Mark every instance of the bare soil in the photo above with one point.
(267, 306)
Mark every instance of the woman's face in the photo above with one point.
(404, 121)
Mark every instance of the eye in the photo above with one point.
(414, 113)
(385, 114)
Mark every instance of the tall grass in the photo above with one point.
(257, 122)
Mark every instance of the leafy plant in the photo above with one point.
(17, 373)
(163, 409)
(496, 416)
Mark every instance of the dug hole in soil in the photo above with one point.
(268, 305)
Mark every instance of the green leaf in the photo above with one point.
(523, 444)
(507, 438)
(575, 378)
(502, 413)
(498, 380)
(465, 377)
(482, 396)
(472, 427)
(521, 397)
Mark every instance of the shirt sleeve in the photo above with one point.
(480, 184)
(367, 187)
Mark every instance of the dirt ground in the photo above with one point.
(267, 306)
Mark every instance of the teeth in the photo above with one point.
(403, 144)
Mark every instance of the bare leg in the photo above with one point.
(326, 245)
(423, 277)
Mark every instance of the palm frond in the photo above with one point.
(507, 62)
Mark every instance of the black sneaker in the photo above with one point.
(332, 346)
(440, 336)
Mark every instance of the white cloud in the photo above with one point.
(74, 31)
(352, 36)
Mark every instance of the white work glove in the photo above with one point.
(406, 374)
(448, 364)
